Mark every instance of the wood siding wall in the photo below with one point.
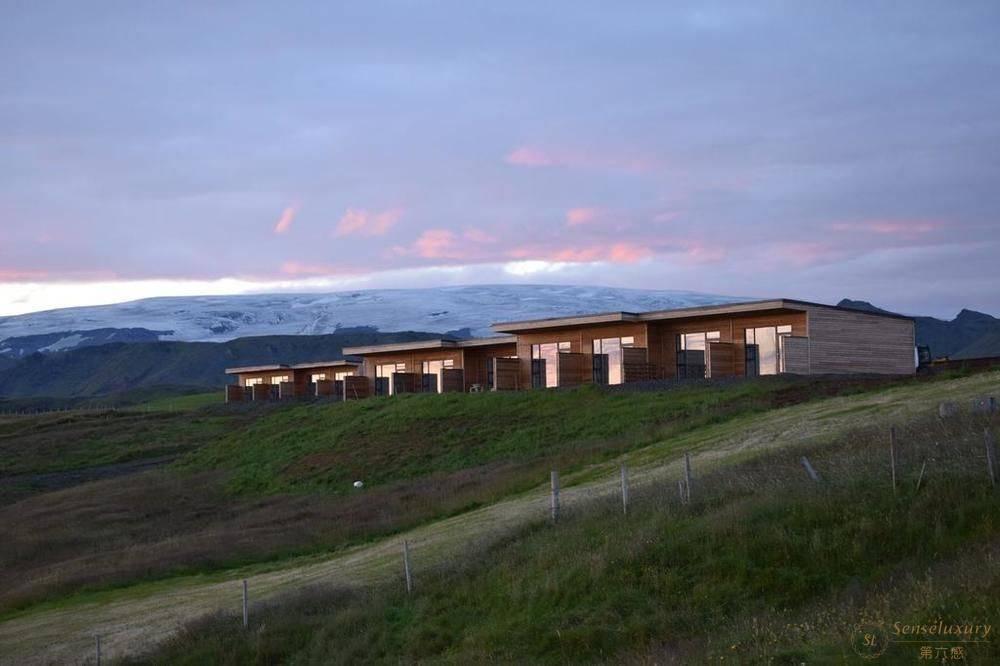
(477, 360)
(843, 341)
(581, 340)
(731, 328)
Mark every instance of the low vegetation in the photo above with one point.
(261, 483)
(764, 565)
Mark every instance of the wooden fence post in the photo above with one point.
(680, 490)
(989, 457)
(920, 478)
(554, 479)
(624, 489)
(246, 608)
(687, 478)
(406, 566)
(809, 469)
(97, 648)
(892, 455)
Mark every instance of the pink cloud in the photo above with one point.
(578, 216)
(362, 222)
(619, 253)
(478, 236)
(535, 157)
(285, 221)
(884, 227)
(437, 244)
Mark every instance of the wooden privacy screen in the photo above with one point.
(506, 373)
(453, 380)
(406, 382)
(572, 367)
(357, 387)
(636, 367)
(721, 359)
(324, 387)
(795, 355)
(234, 393)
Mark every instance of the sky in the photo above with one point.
(774, 149)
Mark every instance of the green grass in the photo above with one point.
(324, 448)
(75, 440)
(765, 565)
(183, 402)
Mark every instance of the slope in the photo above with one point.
(147, 614)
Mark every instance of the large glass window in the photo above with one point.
(763, 349)
(280, 380)
(548, 352)
(608, 354)
(253, 381)
(340, 375)
(693, 353)
(386, 370)
(437, 368)
(317, 377)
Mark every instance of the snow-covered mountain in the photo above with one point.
(443, 309)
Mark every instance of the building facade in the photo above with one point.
(768, 337)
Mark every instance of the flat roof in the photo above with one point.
(326, 364)
(438, 343)
(256, 368)
(297, 366)
(677, 313)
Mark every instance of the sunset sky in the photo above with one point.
(811, 150)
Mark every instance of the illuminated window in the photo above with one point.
(437, 368)
(549, 353)
(280, 379)
(340, 375)
(318, 377)
(387, 370)
(253, 381)
(609, 359)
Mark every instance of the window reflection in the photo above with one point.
(763, 350)
(549, 353)
(609, 367)
(386, 370)
(437, 368)
(693, 353)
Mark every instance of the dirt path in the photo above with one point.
(132, 620)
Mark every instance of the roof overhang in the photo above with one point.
(341, 363)
(418, 345)
(257, 368)
(741, 307)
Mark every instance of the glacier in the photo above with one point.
(441, 309)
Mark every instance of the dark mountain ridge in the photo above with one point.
(116, 367)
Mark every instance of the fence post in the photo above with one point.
(97, 648)
(809, 469)
(892, 456)
(406, 566)
(687, 478)
(989, 457)
(554, 479)
(920, 478)
(680, 490)
(624, 489)
(246, 613)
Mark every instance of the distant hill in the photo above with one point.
(439, 309)
(113, 368)
(971, 334)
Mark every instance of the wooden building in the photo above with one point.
(739, 339)
(279, 381)
(441, 366)
(768, 337)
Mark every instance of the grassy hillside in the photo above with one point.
(765, 564)
(263, 483)
(114, 368)
(179, 536)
